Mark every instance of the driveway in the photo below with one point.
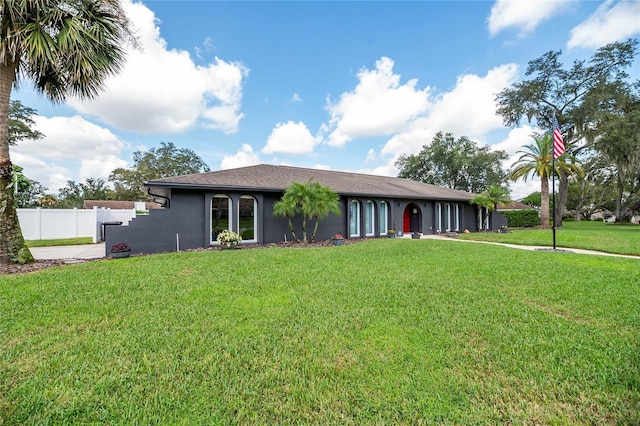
(84, 251)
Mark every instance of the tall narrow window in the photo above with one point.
(447, 216)
(369, 219)
(354, 219)
(220, 214)
(438, 217)
(384, 218)
(247, 218)
(456, 210)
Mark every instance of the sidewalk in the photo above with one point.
(84, 251)
(564, 249)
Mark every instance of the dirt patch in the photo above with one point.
(31, 267)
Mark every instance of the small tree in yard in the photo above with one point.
(536, 160)
(490, 199)
(65, 47)
(312, 201)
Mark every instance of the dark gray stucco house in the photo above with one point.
(197, 206)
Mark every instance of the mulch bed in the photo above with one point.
(43, 264)
(31, 267)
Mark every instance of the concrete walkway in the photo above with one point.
(515, 246)
(84, 251)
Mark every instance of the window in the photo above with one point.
(369, 218)
(438, 217)
(456, 210)
(447, 217)
(354, 219)
(247, 218)
(220, 214)
(384, 217)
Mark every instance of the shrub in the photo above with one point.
(120, 247)
(229, 238)
(521, 218)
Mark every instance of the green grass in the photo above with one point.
(59, 242)
(599, 236)
(388, 331)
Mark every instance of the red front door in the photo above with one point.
(406, 221)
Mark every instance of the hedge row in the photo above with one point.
(521, 218)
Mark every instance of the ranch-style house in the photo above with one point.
(198, 206)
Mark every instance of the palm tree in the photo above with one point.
(290, 205)
(490, 199)
(326, 201)
(537, 160)
(311, 200)
(65, 48)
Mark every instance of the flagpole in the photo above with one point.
(557, 149)
(553, 191)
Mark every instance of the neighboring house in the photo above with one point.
(515, 205)
(120, 205)
(197, 206)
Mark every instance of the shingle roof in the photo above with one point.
(271, 178)
(515, 205)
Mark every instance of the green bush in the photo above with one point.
(521, 218)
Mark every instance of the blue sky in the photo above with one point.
(344, 86)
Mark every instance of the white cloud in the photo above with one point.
(296, 98)
(520, 189)
(51, 176)
(378, 106)
(290, 138)
(371, 156)
(515, 141)
(164, 91)
(470, 108)
(70, 143)
(467, 110)
(383, 170)
(523, 14)
(244, 157)
(517, 138)
(611, 22)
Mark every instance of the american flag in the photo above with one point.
(558, 143)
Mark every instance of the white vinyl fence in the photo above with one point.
(50, 224)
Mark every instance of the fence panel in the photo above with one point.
(48, 224)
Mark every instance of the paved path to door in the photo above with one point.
(572, 250)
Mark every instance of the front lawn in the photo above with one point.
(59, 242)
(388, 331)
(599, 236)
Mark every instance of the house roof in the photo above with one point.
(515, 205)
(272, 178)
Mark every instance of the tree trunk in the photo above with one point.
(315, 228)
(304, 229)
(619, 214)
(291, 229)
(561, 200)
(12, 246)
(544, 201)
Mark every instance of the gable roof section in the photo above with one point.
(515, 205)
(271, 178)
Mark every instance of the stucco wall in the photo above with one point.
(161, 229)
(188, 221)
